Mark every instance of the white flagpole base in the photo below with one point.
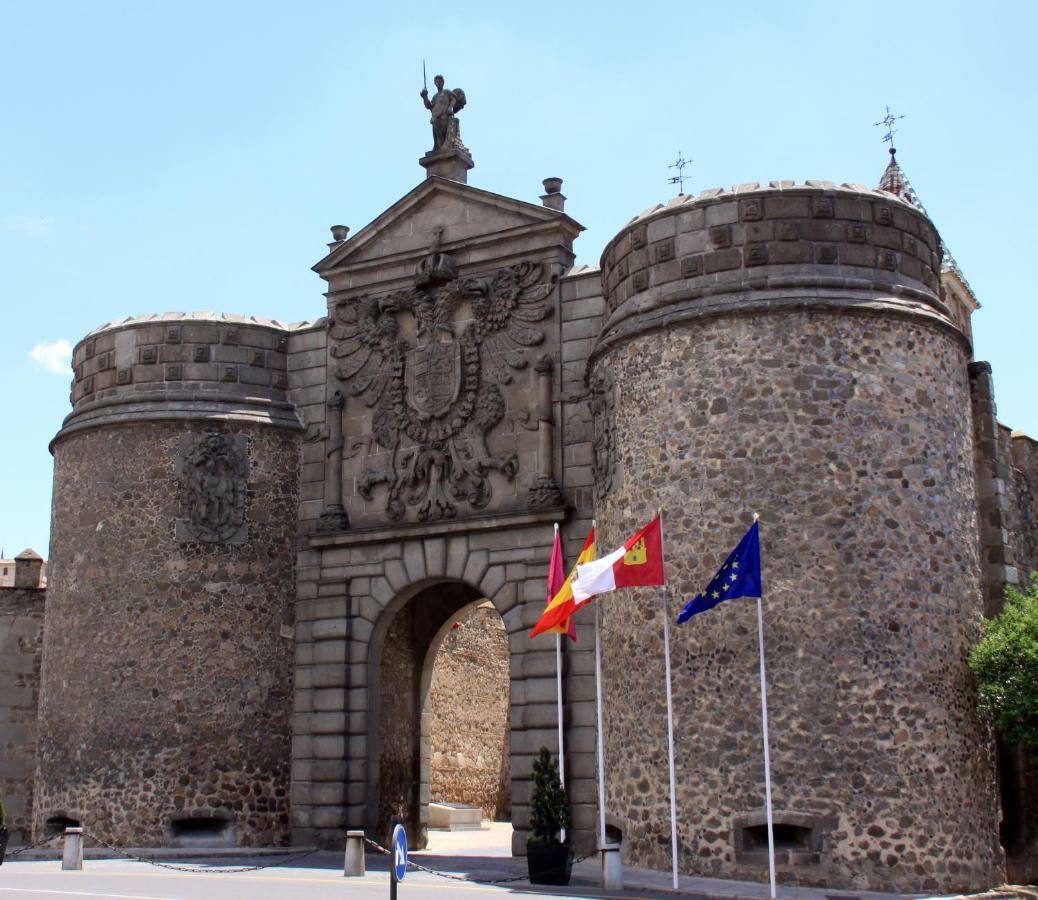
(670, 748)
(601, 738)
(612, 867)
(562, 737)
(767, 753)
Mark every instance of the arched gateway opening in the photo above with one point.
(439, 692)
(467, 715)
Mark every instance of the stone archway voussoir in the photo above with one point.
(436, 557)
(396, 575)
(475, 567)
(492, 581)
(457, 555)
(414, 561)
(381, 592)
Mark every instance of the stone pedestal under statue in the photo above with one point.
(450, 162)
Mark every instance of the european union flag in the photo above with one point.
(738, 577)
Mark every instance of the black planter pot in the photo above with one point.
(549, 862)
(4, 835)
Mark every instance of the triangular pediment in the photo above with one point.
(464, 213)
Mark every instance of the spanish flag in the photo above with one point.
(562, 606)
(638, 562)
(556, 579)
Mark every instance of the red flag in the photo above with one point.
(556, 579)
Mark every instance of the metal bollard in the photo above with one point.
(353, 865)
(612, 867)
(72, 850)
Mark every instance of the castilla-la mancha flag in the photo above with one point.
(638, 562)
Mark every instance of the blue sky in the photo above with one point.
(191, 156)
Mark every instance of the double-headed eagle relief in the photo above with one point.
(430, 361)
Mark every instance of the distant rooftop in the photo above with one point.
(7, 567)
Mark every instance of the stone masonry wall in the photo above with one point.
(469, 728)
(352, 580)
(995, 507)
(1024, 493)
(21, 643)
(307, 373)
(359, 582)
(783, 350)
(851, 437)
(166, 687)
(1019, 767)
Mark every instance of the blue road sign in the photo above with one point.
(399, 853)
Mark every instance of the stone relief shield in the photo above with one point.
(433, 375)
(213, 469)
(436, 397)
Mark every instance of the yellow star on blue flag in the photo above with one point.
(739, 576)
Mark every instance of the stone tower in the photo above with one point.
(785, 351)
(164, 710)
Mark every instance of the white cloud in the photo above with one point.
(28, 225)
(55, 356)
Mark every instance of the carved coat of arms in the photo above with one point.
(213, 472)
(435, 394)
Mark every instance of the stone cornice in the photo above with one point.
(539, 216)
(178, 407)
(422, 530)
(694, 309)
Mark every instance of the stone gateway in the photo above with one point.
(264, 534)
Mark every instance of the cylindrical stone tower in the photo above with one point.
(165, 703)
(785, 351)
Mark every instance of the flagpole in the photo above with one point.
(670, 722)
(558, 692)
(764, 724)
(598, 712)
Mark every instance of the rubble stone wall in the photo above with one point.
(399, 761)
(835, 403)
(166, 678)
(21, 643)
(469, 706)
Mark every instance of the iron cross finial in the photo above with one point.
(681, 177)
(888, 120)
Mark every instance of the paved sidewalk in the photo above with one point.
(476, 856)
(494, 844)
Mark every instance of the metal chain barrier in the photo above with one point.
(32, 846)
(200, 869)
(451, 876)
(122, 851)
